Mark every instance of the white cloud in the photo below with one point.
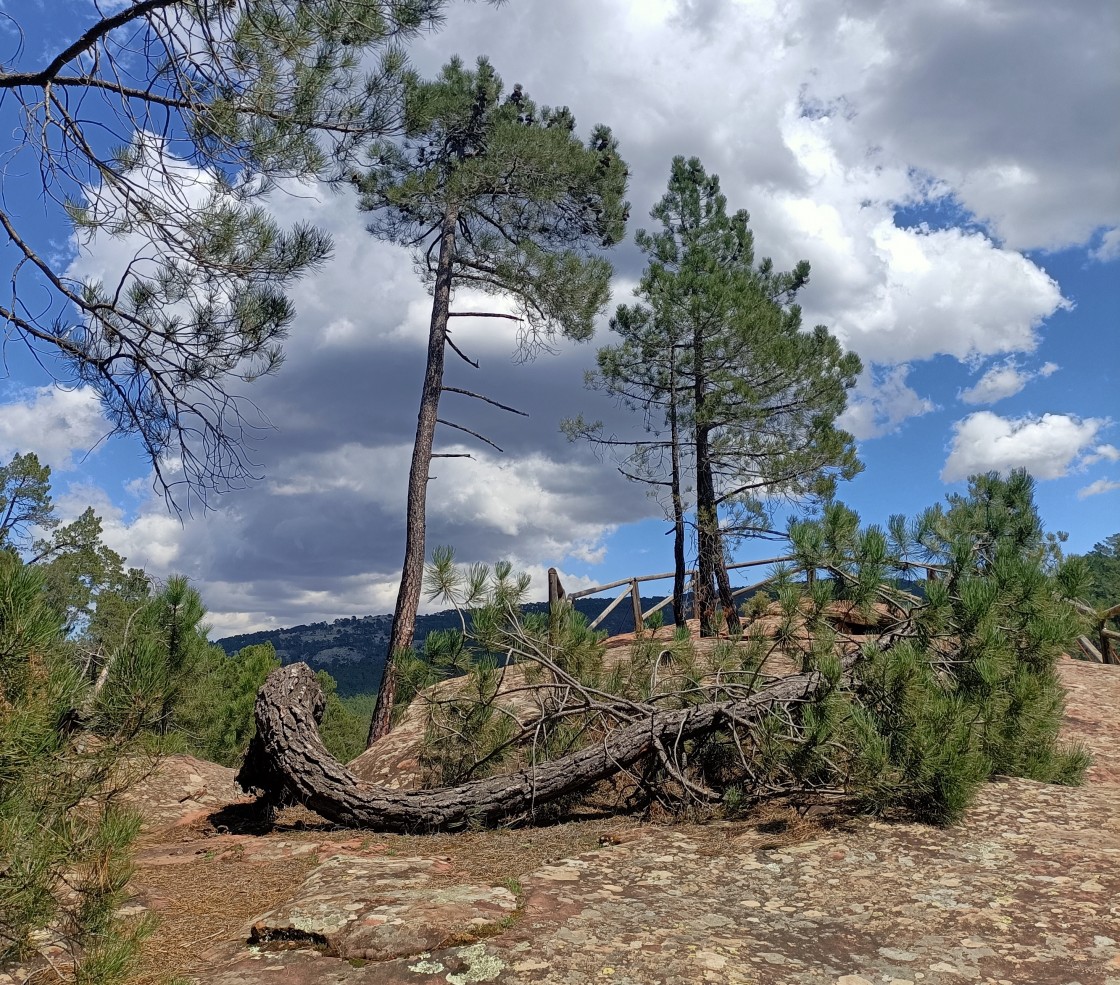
(997, 383)
(960, 91)
(1046, 446)
(1004, 380)
(59, 425)
(881, 402)
(1109, 247)
(1097, 488)
(1102, 453)
(942, 292)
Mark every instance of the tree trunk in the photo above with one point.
(708, 547)
(288, 763)
(680, 616)
(723, 582)
(706, 520)
(412, 571)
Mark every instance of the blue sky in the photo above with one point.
(948, 169)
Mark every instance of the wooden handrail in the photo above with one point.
(557, 594)
(583, 592)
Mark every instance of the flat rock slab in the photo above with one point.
(181, 788)
(1025, 892)
(380, 909)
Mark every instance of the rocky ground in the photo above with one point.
(1027, 890)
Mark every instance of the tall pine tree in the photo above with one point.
(499, 195)
(733, 388)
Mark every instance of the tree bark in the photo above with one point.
(709, 549)
(412, 571)
(680, 616)
(288, 763)
(706, 520)
(723, 582)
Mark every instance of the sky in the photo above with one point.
(948, 168)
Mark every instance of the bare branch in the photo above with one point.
(473, 434)
(459, 352)
(479, 396)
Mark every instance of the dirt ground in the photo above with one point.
(1026, 890)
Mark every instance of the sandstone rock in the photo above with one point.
(380, 909)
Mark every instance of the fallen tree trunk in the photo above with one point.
(288, 763)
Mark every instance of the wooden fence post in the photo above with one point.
(555, 601)
(636, 600)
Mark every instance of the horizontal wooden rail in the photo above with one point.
(584, 592)
(1103, 649)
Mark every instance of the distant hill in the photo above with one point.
(352, 649)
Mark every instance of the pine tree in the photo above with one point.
(212, 711)
(1101, 594)
(64, 836)
(184, 141)
(1104, 569)
(732, 387)
(495, 194)
(74, 563)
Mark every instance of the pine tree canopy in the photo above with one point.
(529, 201)
(728, 334)
(163, 123)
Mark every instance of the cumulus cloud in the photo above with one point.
(1046, 446)
(1004, 380)
(984, 77)
(1102, 453)
(827, 122)
(898, 294)
(881, 402)
(1109, 246)
(61, 426)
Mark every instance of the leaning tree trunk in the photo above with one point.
(412, 571)
(288, 763)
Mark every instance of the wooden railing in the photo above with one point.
(1106, 648)
(1103, 650)
(557, 594)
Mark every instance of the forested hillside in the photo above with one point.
(353, 649)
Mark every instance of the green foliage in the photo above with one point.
(981, 697)
(25, 500)
(143, 679)
(530, 202)
(265, 90)
(64, 838)
(144, 654)
(76, 567)
(937, 695)
(345, 723)
(1102, 566)
(213, 712)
